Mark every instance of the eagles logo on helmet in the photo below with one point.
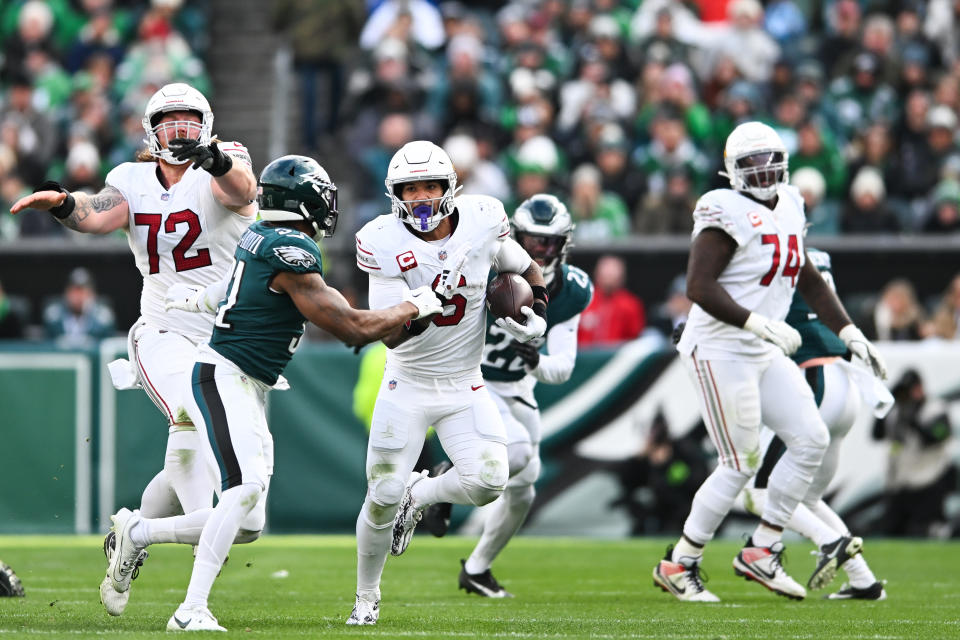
(294, 188)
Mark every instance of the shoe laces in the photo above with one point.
(696, 576)
(778, 558)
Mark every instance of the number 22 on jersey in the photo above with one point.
(791, 265)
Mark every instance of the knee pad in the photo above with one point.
(387, 491)
(487, 485)
(519, 455)
(245, 536)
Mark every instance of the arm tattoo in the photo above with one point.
(108, 198)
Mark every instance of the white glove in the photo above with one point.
(863, 349)
(450, 276)
(775, 332)
(534, 327)
(425, 300)
(183, 297)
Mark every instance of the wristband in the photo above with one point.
(222, 163)
(416, 327)
(540, 308)
(65, 208)
(540, 293)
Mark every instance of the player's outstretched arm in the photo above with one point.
(328, 309)
(821, 297)
(234, 185)
(100, 213)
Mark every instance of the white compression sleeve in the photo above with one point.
(557, 364)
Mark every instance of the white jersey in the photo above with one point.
(761, 276)
(453, 341)
(178, 235)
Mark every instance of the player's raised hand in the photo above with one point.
(775, 332)
(207, 157)
(534, 327)
(425, 300)
(183, 297)
(46, 197)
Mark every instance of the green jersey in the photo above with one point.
(257, 328)
(818, 340)
(500, 361)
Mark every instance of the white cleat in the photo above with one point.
(193, 619)
(407, 516)
(127, 557)
(763, 565)
(111, 599)
(682, 579)
(365, 611)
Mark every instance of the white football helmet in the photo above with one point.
(176, 97)
(415, 161)
(755, 159)
(543, 226)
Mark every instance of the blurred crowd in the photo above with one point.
(75, 77)
(622, 107)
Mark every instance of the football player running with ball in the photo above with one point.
(511, 369)
(839, 389)
(182, 225)
(432, 375)
(746, 261)
(276, 285)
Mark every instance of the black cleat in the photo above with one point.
(482, 584)
(873, 592)
(436, 517)
(831, 557)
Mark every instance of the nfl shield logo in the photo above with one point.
(165, 196)
(392, 385)
(443, 254)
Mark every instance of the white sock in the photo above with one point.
(159, 500)
(858, 572)
(807, 524)
(373, 544)
(444, 488)
(765, 536)
(187, 471)
(712, 503)
(218, 533)
(505, 516)
(185, 529)
(684, 549)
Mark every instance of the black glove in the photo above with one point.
(206, 157)
(527, 352)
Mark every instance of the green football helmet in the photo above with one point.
(543, 226)
(293, 188)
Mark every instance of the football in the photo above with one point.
(506, 293)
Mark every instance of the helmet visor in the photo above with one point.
(762, 169)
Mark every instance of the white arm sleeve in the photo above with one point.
(556, 365)
(385, 292)
(512, 258)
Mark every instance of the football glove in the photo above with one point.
(206, 157)
(863, 349)
(529, 354)
(425, 300)
(10, 586)
(450, 276)
(183, 297)
(534, 327)
(775, 332)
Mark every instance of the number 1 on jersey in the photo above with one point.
(792, 266)
(232, 292)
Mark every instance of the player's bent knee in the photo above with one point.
(480, 494)
(387, 491)
(487, 485)
(519, 455)
(528, 475)
(246, 536)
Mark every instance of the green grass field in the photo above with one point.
(565, 588)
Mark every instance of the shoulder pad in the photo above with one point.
(291, 250)
(718, 209)
(236, 150)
